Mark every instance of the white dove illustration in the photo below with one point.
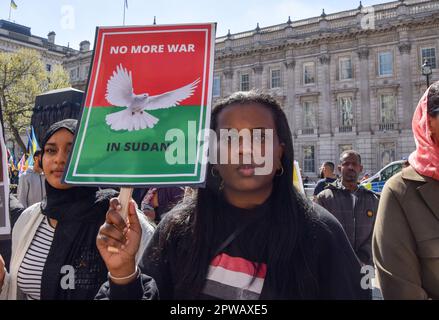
(120, 93)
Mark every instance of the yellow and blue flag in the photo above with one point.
(32, 146)
(13, 4)
(35, 145)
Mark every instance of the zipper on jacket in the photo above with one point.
(355, 220)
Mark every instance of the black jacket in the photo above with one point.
(333, 261)
(358, 221)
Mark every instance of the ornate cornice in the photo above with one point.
(405, 48)
(363, 53)
(325, 58)
(228, 73)
(290, 64)
(258, 68)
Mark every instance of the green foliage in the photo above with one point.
(22, 77)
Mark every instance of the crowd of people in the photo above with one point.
(243, 236)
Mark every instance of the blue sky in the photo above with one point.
(76, 20)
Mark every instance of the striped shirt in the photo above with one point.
(31, 268)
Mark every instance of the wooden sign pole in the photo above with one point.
(124, 200)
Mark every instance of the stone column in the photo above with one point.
(228, 76)
(290, 94)
(257, 71)
(324, 110)
(405, 110)
(228, 85)
(364, 123)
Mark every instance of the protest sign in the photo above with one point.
(147, 104)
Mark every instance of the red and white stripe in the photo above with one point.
(237, 272)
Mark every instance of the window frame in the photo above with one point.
(305, 161)
(311, 64)
(312, 106)
(390, 52)
(339, 105)
(272, 79)
(381, 96)
(340, 68)
(241, 82)
(218, 77)
(435, 56)
(392, 151)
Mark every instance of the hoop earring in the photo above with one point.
(281, 172)
(212, 172)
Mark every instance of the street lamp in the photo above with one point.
(426, 71)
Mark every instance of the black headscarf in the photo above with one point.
(79, 212)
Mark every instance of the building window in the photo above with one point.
(429, 54)
(308, 73)
(309, 117)
(72, 74)
(216, 86)
(387, 112)
(344, 147)
(345, 68)
(387, 153)
(48, 67)
(86, 70)
(275, 78)
(308, 159)
(245, 82)
(385, 63)
(77, 73)
(346, 114)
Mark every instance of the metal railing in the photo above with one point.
(308, 131)
(387, 126)
(344, 129)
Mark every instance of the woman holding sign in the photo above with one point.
(244, 236)
(54, 254)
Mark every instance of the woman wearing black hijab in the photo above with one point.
(54, 254)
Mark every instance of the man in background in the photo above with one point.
(327, 176)
(354, 206)
(31, 187)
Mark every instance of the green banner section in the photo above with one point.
(102, 155)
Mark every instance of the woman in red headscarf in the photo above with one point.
(406, 236)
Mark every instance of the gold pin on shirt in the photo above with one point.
(369, 213)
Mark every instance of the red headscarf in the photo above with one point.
(425, 160)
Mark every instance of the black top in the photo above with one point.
(333, 261)
(240, 258)
(321, 184)
(79, 211)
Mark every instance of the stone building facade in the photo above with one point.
(14, 37)
(346, 80)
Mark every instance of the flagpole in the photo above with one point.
(124, 7)
(10, 9)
